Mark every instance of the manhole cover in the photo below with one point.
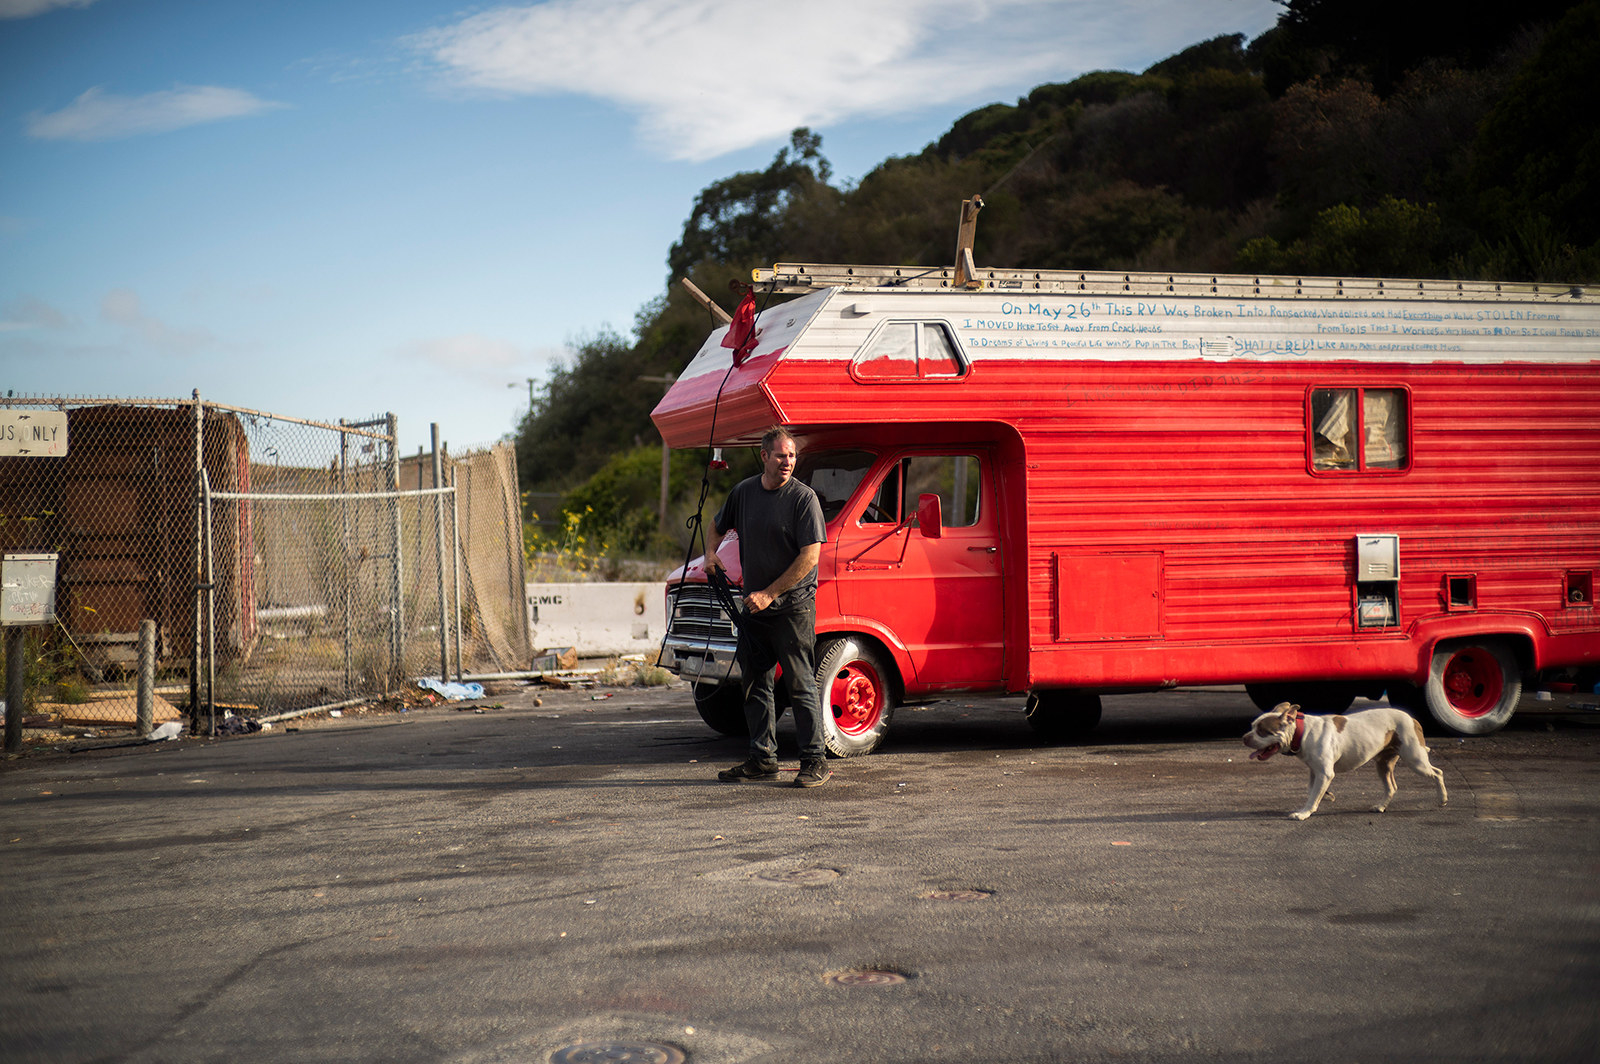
(620, 1052)
(959, 895)
(800, 877)
(866, 977)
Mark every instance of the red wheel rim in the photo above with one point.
(1473, 683)
(856, 698)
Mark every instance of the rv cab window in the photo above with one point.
(908, 350)
(1358, 430)
(833, 475)
(952, 477)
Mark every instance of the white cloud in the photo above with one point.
(706, 77)
(29, 8)
(30, 312)
(482, 357)
(121, 307)
(99, 115)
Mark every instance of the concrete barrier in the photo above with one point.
(598, 619)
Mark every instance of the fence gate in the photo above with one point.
(287, 563)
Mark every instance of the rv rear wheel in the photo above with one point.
(1473, 686)
(857, 694)
(1062, 715)
(722, 707)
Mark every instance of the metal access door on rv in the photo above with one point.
(941, 597)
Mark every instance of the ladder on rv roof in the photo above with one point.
(791, 278)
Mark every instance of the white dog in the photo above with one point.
(1337, 744)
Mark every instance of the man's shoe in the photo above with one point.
(812, 774)
(753, 770)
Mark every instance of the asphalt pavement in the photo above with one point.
(567, 881)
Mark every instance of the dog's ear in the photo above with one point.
(1291, 710)
(1284, 708)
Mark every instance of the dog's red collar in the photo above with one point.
(1299, 733)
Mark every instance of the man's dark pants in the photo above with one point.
(781, 635)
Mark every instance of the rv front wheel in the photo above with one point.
(1473, 687)
(1062, 715)
(857, 695)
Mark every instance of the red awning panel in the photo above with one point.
(746, 407)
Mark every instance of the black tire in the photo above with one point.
(1061, 716)
(722, 707)
(1473, 685)
(1328, 697)
(856, 689)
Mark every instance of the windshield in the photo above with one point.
(833, 475)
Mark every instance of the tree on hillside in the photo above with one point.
(743, 218)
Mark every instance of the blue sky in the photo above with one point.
(341, 208)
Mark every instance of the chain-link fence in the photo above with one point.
(285, 563)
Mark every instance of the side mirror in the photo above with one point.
(930, 516)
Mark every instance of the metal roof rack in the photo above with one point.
(788, 278)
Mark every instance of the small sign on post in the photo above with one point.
(28, 589)
(27, 596)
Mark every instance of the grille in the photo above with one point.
(697, 616)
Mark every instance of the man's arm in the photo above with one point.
(803, 563)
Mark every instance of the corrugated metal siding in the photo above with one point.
(1209, 468)
(1505, 484)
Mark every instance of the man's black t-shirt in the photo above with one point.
(773, 526)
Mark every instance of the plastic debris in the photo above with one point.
(232, 725)
(453, 692)
(170, 730)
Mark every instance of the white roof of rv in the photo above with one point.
(1308, 323)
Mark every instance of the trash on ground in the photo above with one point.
(170, 730)
(553, 658)
(453, 692)
(232, 725)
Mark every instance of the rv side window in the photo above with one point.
(1355, 430)
(908, 350)
(953, 477)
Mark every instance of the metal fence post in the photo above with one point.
(344, 554)
(16, 687)
(146, 697)
(455, 563)
(211, 612)
(438, 553)
(195, 570)
(397, 631)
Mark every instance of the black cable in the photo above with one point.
(696, 525)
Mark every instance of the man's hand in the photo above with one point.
(711, 562)
(757, 601)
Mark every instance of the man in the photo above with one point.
(781, 533)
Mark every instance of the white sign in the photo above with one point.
(28, 589)
(35, 433)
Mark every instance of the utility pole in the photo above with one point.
(666, 452)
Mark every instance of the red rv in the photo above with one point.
(1070, 484)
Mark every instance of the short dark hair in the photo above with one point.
(769, 439)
